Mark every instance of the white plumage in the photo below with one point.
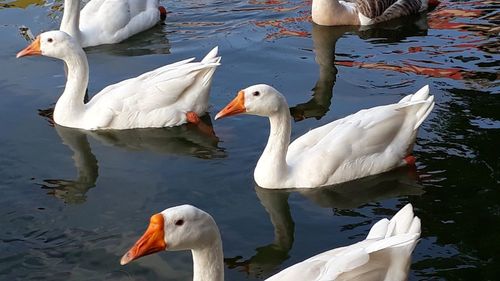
(368, 142)
(108, 21)
(385, 254)
(159, 98)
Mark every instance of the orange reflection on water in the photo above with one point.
(283, 29)
(470, 16)
(453, 73)
(476, 20)
(289, 26)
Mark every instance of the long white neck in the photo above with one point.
(208, 263)
(272, 168)
(70, 107)
(71, 19)
(332, 12)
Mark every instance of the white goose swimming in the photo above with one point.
(385, 254)
(369, 142)
(167, 96)
(109, 21)
(365, 12)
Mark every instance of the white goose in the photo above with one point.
(365, 12)
(167, 96)
(109, 21)
(385, 254)
(368, 142)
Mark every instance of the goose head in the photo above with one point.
(56, 44)
(261, 100)
(178, 228)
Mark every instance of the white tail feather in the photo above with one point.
(421, 94)
(403, 219)
(212, 59)
(425, 101)
(378, 230)
(212, 56)
(403, 222)
(423, 112)
(415, 226)
(402, 229)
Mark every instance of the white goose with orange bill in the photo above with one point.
(384, 255)
(167, 96)
(369, 142)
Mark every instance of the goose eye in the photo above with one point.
(256, 94)
(50, 40)
(179, 222)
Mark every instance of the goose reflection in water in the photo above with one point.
(342, 198)
(269, 257)
(187, 139)
(324, 41)
(73, 191)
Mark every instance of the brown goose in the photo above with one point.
(365, 12)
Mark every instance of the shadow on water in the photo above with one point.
(181, 140)
(325, 39)
(342, 198)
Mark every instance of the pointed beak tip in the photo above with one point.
(27, 52)
(217, 116)
(125, 259)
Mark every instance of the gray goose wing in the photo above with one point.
(383, 10)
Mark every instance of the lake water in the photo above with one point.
(73, 202)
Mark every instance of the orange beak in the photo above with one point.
(32, 50)
(152, 241)
(236, 106)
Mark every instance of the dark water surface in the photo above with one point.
(72, 202)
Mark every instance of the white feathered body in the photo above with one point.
(366, 143)
(159, 98)
(112, 21)
(385, 254)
